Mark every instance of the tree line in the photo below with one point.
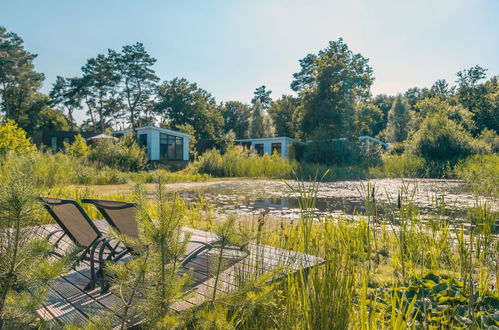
(120, 89)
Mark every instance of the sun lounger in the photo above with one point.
(122, 217)
(80, 229)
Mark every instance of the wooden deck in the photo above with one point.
(68, 302)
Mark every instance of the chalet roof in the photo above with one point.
(154, 128)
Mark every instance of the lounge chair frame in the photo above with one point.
(98, 203)
(89, 252)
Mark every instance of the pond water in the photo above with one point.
(333, 198)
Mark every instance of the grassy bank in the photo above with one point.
(403, 269)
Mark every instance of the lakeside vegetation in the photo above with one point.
(110, 162)
(402, 269)
(405, 268)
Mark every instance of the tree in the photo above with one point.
(384, 103)
(14, 139)
(180, 102)
(397, 128)
(479, 98)
(441, 139)
(136, 78)
(261, 124)
(26, 266)
(18, 79)
(440, 105)
(67, 93)
(441, 88)
(51, 119)
(236, 118)
(282, 113)
(262, 95)
(329, 84)
(79, 148)
(19, 82)
(99, 90)
(368, 118)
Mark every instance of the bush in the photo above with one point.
(491, 138)
(481, 173)
(404, 166)
(442, 140)
(14, 139)
(124, 154)
(79, 147)
(239, 163)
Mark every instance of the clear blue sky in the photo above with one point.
(231, 47)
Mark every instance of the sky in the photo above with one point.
(231, 47)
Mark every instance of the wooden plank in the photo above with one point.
(69, 302)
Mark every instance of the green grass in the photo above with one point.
(481, 173)
(379, 272)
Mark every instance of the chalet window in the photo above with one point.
(259, 149)
(276, 147)
(143, 140)
(171, 147)
(53, 144)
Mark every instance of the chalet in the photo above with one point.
(54, 139)
(268, 146)
(162, 145)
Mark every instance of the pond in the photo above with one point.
(333, 198)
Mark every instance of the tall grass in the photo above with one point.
(56, 170)
(240, 163)
(398, 269)
(481, 173)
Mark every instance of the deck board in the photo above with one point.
(68, 302)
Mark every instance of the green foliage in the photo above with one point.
(403, 166)
(438, 105)
(490, 138)
(19, 82)
(329, 84)
(239, 163)
(236, 118)
(25, 266)
(135, 79)
(282, 112)
(51, 119)
(261, 124)
(151, 282)
(441, 139)
(479, 98)
(14, 139)
(181, 102)
(124, 154)
(67, 93)
(397, 127)
(481, 173)
(263, 96)
(339, 152)
(368, 117)
(79, 147)
(443, 302)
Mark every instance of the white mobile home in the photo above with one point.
(161, 144)
(268, 145)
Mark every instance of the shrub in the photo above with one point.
(480, 172)
(26, 266)
(124, 154)
(441, 139)
(240, 163)
(491, 138)
(14, 139)
(78, 148)
(404, 166)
